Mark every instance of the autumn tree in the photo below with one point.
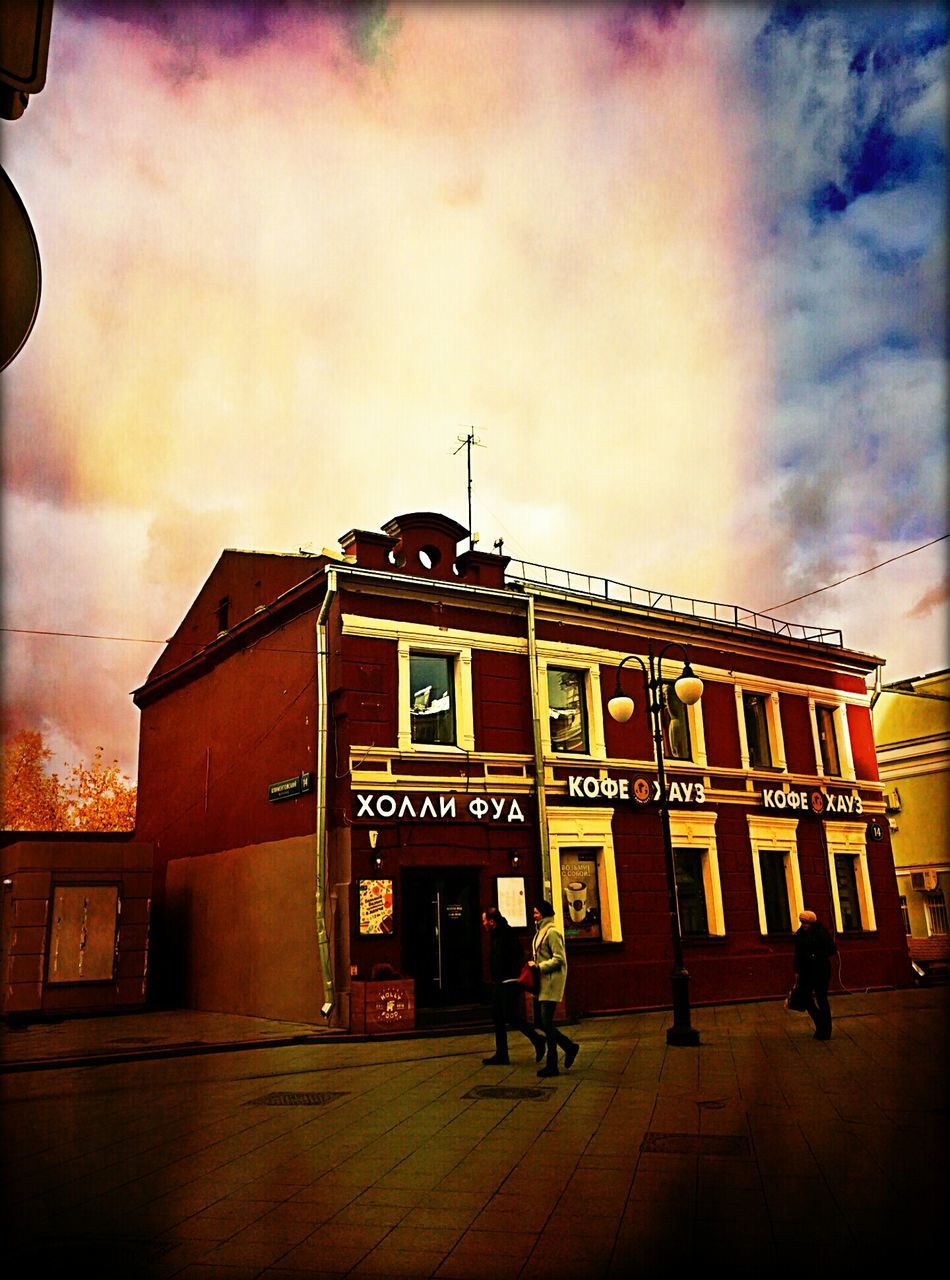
(91, 797)
(32, 798)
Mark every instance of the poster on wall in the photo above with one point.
(376, 906)
(511, 901)
(581, 894)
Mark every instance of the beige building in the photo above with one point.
(912, 731)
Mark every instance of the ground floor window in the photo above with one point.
(775, 871)
(82, 936)
(847, 884)
(696, 863)
(905, 914)
(584, 873)
(850, 882)
(936, 907)
(691, 891)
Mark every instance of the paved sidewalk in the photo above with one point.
(762, 1151)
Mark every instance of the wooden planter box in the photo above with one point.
(388, 1004)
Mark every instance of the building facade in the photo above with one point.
(346, 758)
(912, 731)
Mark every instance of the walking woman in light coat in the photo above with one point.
(550, 959)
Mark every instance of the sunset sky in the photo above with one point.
(681, 266)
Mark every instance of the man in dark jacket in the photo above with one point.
(814, 948)
(505, 962)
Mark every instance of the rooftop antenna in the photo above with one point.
(466, 442)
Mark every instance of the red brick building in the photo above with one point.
(345, 759)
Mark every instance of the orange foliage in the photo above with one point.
(93, 797)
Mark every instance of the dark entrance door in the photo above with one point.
(440, 929)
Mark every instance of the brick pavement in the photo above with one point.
(763, 1151)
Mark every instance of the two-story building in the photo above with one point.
(346, 758)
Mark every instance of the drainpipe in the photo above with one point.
(320, 906)
(540, 800)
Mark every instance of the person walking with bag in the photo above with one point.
(814, 947)
(550, 959)
(505, 962)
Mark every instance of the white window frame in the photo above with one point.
(573, 828)
(851, 838)
(773, 718)
(776, 835)
(842, 739)
(596, 748)
(462, 692)
(697, 735)
(695, 830)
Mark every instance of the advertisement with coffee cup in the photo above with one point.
(581, 896)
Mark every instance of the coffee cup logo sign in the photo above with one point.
(642, 790)
(817, 802)
(580, 891)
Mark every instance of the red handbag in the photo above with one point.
(530, 978)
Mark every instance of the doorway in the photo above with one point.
(441, 923)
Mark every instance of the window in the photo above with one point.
(832, 741)
(761, 743)
(571, 707)
(696, 863)
(906, 914)
(936, 907)
(690, 891)
(850, 883)
(82, 937)
(580, 889)
(828, 741)
(584, 873)
(432, 698)
(677, 743)
(435, 697)
(567, 710)
(846, 881)
(778, 888)
(222, 613)
(755, 711)
(773, 869)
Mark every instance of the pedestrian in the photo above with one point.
(550, 958)
(505, 962)
(814, 947)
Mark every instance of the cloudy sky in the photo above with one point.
(681, 266)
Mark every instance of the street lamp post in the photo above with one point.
(689, 689)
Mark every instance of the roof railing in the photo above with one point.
(590, 586)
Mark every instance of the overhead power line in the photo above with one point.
(859, 574)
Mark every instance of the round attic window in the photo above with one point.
(429, 557)
(397, 557)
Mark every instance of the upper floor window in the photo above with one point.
(755, 711)
(832, 743)
(432, 698)
(677, 743)
(223, 613)
(435, 697)
(761, 742)
(828, 741)
(567, 709)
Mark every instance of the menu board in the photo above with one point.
(376, 906)
(511, 901)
